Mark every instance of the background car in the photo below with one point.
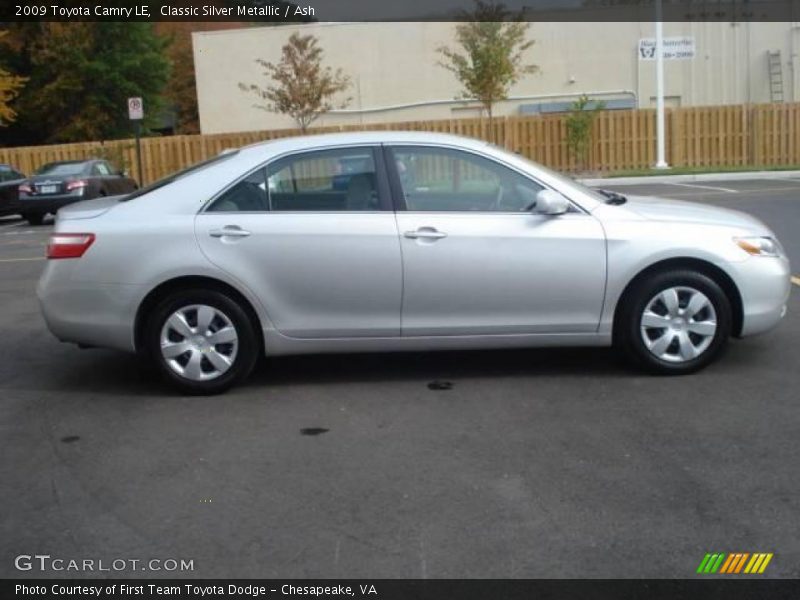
(262, 251)
(10, 178)
(57, 184)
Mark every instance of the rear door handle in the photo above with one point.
(429, 233)
(229, 231)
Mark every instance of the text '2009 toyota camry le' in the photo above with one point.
(390, 241)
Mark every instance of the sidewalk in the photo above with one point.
(694, 177)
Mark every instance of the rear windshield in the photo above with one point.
(179, 174)
(62, 169)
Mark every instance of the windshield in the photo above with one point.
(56, 169)
(179, 174)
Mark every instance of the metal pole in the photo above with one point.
(661, 159)
(139, 153)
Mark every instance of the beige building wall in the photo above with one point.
(396, 77)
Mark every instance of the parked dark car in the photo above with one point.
(57, 184)
(10, 178)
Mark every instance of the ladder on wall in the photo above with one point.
(775, 76)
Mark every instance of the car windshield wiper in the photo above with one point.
(614, 198)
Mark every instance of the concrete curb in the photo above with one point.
(696, 177)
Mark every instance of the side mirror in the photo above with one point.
(549, 202)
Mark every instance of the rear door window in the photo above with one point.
(247, 195)
(329, 180)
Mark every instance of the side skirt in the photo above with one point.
(277, 344)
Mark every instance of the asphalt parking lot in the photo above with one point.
(535, 463)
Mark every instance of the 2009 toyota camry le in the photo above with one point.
(391, 241)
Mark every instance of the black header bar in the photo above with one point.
(281, 11)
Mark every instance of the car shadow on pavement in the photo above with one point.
(105, 372)
(410, 366)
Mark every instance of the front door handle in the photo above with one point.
(229, 231)
(428, 233)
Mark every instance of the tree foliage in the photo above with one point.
(181, 90)
(10, 87)
(579, 127)
(180, 93)
(491, 58)
(82, 73)
(301, 87)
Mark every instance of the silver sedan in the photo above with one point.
(393, 241)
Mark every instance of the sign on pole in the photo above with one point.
(135, 109)
(675, 48)
(136, 114)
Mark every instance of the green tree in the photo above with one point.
(82, 73)
(302, 88)
(579, 127)
(491, 56)
(10, 86)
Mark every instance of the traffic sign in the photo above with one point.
(135, 109)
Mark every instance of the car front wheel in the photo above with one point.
(674, 322)
(201, 341)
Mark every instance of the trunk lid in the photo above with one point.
(88, 209)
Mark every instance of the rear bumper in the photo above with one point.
(92, 314)
(47, 204)
(764, 284)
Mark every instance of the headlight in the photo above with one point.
(759, 246)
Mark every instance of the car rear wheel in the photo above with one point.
(33, 218)
(201, 341)
(674, 322)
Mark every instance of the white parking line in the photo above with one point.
(12, 225)
(10, 260)
(24, 232)
(706, 187)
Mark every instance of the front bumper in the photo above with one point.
(764, 284)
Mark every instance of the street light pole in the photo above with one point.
(661, 159)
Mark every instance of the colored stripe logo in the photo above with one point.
(735, 563)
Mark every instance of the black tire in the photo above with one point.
(33, 218)
(628, 334)
(248, 345)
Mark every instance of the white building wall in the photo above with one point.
(396, 76)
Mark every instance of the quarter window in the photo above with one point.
(440, 179)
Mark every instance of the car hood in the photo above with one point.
(88, 209)
(680, 211)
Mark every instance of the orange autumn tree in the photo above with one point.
(301, 87)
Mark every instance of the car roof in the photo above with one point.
(289, 144)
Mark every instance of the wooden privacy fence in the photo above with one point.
(714, 136)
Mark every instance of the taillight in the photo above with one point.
(77, 183)
(69, 245)
(25, 189)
